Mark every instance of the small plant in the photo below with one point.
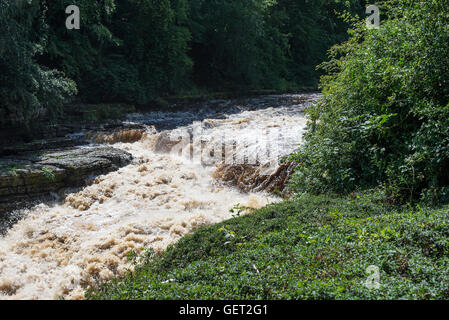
(140, 259)
(48, 173)
(238, 210)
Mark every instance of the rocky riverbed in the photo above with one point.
(45, 169)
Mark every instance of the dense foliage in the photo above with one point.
(135, 51)
(125, 51)
(312, 28)
(26, 88)
(309, 248)
(384, 119)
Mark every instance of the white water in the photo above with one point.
(63, 249)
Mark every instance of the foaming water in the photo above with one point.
(63, 249)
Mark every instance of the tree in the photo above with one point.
(235, 46)
(27, 90)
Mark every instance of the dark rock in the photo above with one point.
(23, 180)
(46, 144)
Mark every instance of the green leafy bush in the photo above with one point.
(384, 118)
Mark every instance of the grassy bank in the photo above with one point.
(307, 248)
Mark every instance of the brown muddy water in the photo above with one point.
(60, 250)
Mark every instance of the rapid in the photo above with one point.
(171, 189)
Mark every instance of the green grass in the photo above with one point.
(307, 248)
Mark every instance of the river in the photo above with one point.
(59, 250)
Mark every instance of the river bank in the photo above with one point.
(307, 248)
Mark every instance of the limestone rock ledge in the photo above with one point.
(28, 177)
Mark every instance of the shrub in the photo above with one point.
(384, 116)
